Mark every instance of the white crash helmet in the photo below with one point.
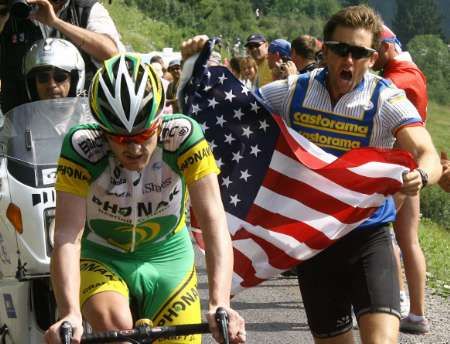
(57, 53)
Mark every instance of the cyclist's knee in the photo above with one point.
(105, 315)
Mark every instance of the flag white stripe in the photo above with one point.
(310, 147)
(377, 169)
(325, 223)
(287, 166)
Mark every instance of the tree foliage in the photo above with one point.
(416, 17)
(432, 56)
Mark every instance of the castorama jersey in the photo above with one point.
(129, 210)
(369, 115)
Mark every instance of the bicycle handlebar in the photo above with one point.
(147, 332)
(144, 332)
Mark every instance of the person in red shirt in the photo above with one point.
(397, 66)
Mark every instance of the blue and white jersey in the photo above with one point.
(369, 115)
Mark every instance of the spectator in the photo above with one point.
(215, 59)
(234, 66)
(256, 46)
(166, 76)
(397, 66)
(53, 68)
(249, 72)
(279, 52)
(171, 99)
(305, 51)
(85, 23)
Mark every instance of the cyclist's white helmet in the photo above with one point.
(56, 53)
(126, 95)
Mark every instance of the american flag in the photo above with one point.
(285, 198)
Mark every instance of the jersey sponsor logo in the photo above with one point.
(321, 122)
(152, 187)
(175, 132)
(326, 141)
(71, 172)
(143, 208)
(92, 266)
(116, 178)
(88, 145)
(196, 156)
(189, 297)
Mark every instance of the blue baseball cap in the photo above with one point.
(280, 46)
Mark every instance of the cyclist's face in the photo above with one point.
(134, 156)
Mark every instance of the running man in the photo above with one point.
(122, 189)
(340, 107)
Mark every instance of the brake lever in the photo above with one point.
(65, 332)
(222, 321)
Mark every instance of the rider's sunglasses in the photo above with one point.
(139, 138)
(343, 49)
(57, 76)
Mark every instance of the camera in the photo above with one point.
(19, 8)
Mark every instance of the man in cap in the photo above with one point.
(171, 97)
(279, 52)
(257, 48)
(397, 66)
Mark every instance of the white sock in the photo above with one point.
(416, 318)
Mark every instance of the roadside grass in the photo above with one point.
(438, 124)
(435, 238)
(435, 242)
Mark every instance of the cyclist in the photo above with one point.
(121, 193)
(53, 68)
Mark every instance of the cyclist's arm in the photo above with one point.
(208, 208)
(65, 263)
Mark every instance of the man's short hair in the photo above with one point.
(280, 46)
(356, 17)
(306, 46)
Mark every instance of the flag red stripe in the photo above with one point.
(278, 223)
(338, 172)
(275, 255)
(287, 145)
(314, 198)
(245, 270)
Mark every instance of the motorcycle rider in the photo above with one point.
(53, 68)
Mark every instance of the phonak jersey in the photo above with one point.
(130, 210)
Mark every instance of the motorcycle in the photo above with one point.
(30, 143)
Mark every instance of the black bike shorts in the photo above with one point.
(358, 270)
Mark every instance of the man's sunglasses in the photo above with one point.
(139, 138)
(343, 49)
(57, 76)
(253, 45)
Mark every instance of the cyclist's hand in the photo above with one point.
(236, 326)
(193, 46)
(52, 335)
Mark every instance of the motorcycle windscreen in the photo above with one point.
(32, 135)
